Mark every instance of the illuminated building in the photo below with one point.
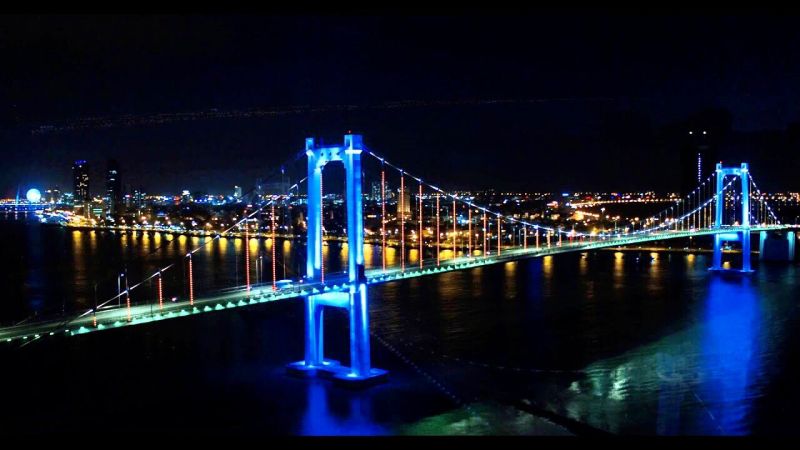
(701, 139)
(375, 191)
(80, 182)
(52, 195)
(113, 198)
(406, 211)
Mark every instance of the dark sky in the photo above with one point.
(587, 95)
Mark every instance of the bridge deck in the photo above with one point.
(117, 316)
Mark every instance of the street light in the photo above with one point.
(119, 289)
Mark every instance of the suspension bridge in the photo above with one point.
(433, 231)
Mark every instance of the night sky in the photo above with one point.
(587, 100)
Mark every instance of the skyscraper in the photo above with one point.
(138, 198)
(113, 187)
(406, 209)
(80, 182)
(702, 138)
(375, 191)
(699, 157)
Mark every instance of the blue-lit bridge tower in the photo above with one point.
(353, 298)
(743, 235)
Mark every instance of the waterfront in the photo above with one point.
(626, 342)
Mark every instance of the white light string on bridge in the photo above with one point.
(219, 235)
(473, 205)
(706, 203)
(160, 271)
(533, 225)
(766, 204)
(710, 200)
(665, 210)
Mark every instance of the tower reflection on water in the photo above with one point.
(329, 414)
(701, 379)
(729, 351)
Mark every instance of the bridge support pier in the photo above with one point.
(353, 297)
(776, 246)
(314, 363)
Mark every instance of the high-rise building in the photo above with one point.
(67, 199)
(698, 158)
(237, 192)
(406, 207)
(273, 188)
(113, 196)
(375, 191)
(52, 195)
(80, 182)
(258, 189)
(701, 138)
(128, 197)
(138, 197)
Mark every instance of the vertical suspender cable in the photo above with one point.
(383, 216)
(419, 217)
(274, 275)
(454, 229)
(438, 244)
(246, 253)
(469, 231)
(401, 215)
(499, 233)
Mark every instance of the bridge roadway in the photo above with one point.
(111, 317)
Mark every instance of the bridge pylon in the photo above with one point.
(743, 173)
(353, 297)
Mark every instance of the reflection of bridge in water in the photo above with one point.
(704, 212)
